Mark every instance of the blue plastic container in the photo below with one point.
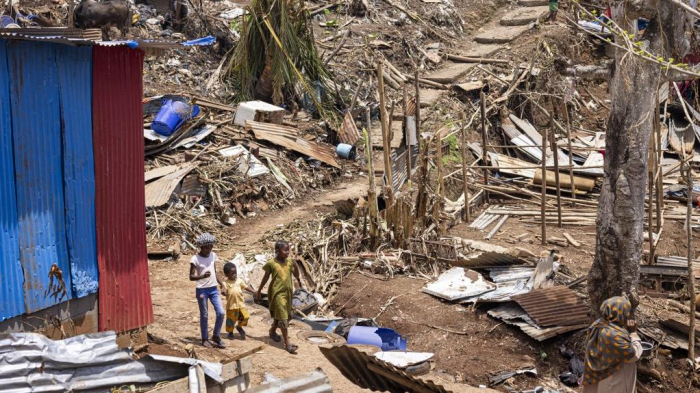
(386, 339)
(6, 20)
(343, 150)
(171, 116)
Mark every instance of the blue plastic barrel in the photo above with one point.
(171, 116)
(5, 20)
(384, 338)
(343, 150)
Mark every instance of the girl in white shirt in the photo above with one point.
(203, 270)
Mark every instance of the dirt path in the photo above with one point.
(248, 233)
(177, 316)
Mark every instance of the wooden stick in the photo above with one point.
(372, 192)
(465, 186)
(427, 82)
(385, 134)
(657, 161)
(484, 154)
(417, 110)
(571, 156)
(650, 224)
(407, 135)
(691, 273)
(464, 59)
(555, 154)
(543, 203)
(337, 48)
(441, 180)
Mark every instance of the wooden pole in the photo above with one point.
(484, 155)
(465, 186)
(555, 154)
(658, 172)
(543, 201)
(440, 168)
(650, 208)
(691, 274)
(407, 135)
(372, 191)
(565, 111)
(417, 111)
(385, 135)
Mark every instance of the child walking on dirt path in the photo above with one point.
(203, 270)
(279, 294)
(232, 289)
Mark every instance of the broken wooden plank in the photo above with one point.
(157, 173)
(571, 240)
(497, 227)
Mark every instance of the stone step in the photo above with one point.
(481, 51)
(429, 97)
(450, 73)
(533, 3)
(501, 34)
(524, 16)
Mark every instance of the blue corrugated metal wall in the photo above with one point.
(75, 85)
(36, 133)
(11, 293)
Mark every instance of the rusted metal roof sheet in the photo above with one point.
(158, 192)
(74, 66)
(284, 136)
(513, 314)
(348, 132)
(368, 372)
(36, 135)
(11, 279)
(125, 291)
(313, 382)
(555, 306)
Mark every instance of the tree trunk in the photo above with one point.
(620, 223)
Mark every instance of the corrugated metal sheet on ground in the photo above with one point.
(282, 136)
(125, 292)
(313, 382)
(88, 362)
(348, 132)
(513, 314)
(11, 279)
(36, 133)
(75, 88)
(555, 306)
(357, 366)
(158, 192)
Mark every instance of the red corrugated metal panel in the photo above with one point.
(125, 291)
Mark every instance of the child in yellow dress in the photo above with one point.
(232, 288)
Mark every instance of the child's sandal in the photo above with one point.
(206, 344)
(275, 337)
(291, 348)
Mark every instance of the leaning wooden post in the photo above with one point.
(441, 184)
(571, 153)
(658, 172)
(555, 152)
(484, 155)
(650, 203)
(417, 120)
(543, 204)
(691, 275)
(372, 192)
(465, 186)
(385, 135)
(407, 135)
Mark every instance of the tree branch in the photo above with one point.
(588, 71)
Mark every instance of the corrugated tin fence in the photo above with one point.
(71, 164)
(125, 291)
